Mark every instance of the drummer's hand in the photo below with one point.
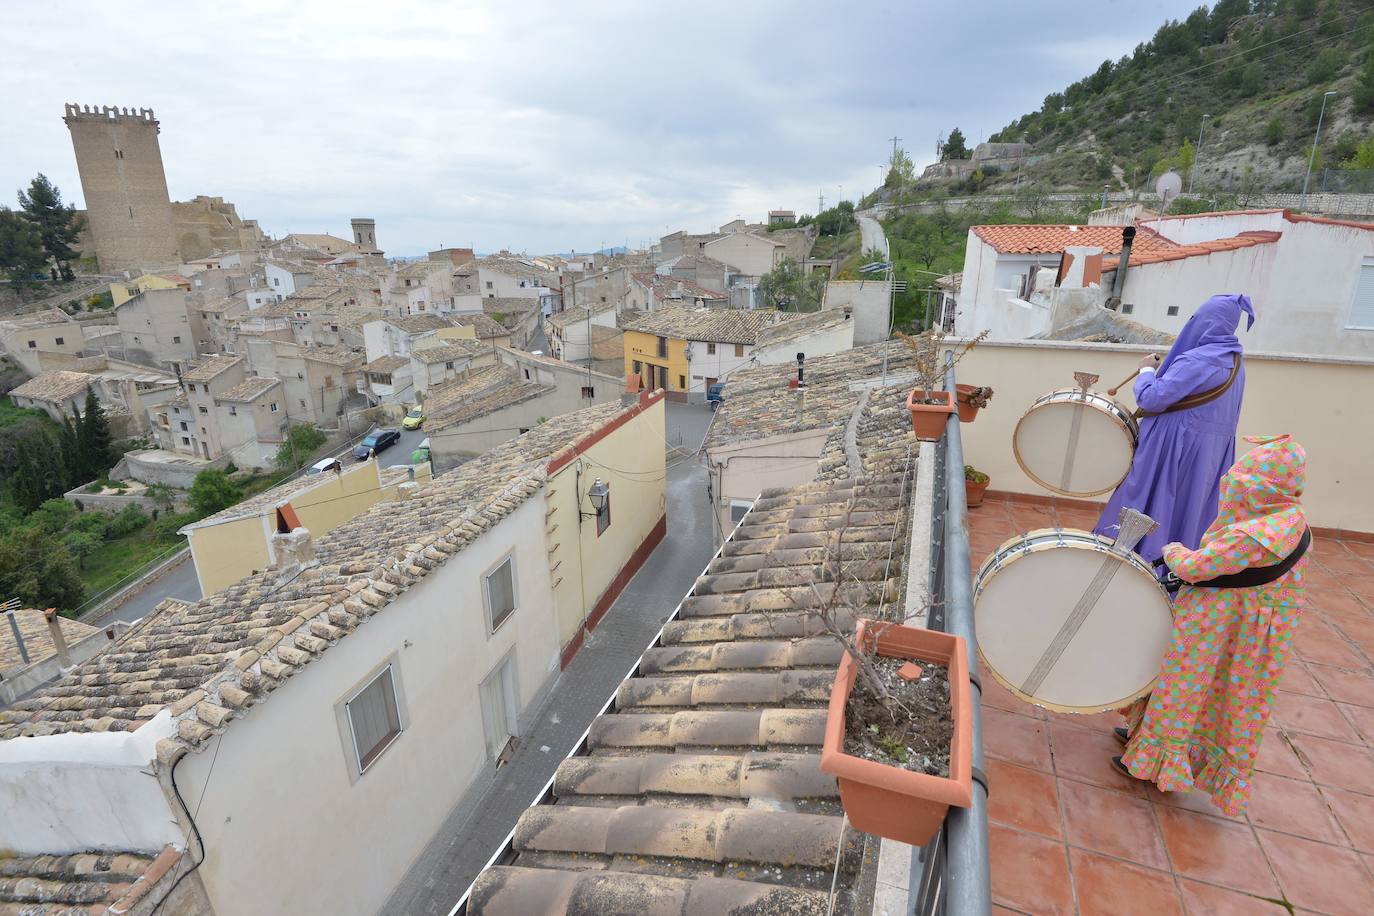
(1151, 362)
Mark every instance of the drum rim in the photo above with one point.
(1119, 416)
(1136, 564)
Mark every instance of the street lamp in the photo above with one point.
(597, 496)
(1197, 154)
(1312, 157)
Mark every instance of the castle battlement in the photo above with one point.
(73, 112)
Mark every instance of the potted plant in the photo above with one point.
(930, 404)
(899, 732)
(975, 485)
(971, 398)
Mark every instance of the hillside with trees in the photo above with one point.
(1247, 77)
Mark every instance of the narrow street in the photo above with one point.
(872, 235)
(479, 824)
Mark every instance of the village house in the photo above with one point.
(24, 337)
(686, 351)
(418, 287)
(156, 327)
(35, 648)
(125, 391)
(436, 360)
(123, 291)
(678, 243)
(504, 276)
(701, 270)
(224, 412)
(454, 257)
(493, 403)
(753, 255)
(318, 382)
(285, 277)
(649, 292)
(574, 333)
(1311, 279)
(372, 676)
(768, 433)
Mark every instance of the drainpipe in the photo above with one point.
(18, 637)
(1119, 282)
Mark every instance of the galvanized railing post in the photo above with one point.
(968, 889)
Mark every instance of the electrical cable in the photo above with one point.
(195, 828)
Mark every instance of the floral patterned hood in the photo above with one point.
(1262, 493)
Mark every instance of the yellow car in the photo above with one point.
(414, 419)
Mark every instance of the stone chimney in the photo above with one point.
(59, 639)
(294, 550)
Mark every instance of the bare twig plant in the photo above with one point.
(927, 362)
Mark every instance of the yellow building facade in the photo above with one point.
(123, 291)
(660, 362)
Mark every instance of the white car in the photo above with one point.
(324, 464)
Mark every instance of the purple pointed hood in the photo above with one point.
(1210, 335)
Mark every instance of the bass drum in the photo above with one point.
(1068, 623)
(1075, 442)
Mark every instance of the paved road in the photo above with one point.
(480, 822)
(872, 235)
(177, 582)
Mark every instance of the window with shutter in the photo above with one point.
(500, 593)
(374, 718)
(1362, 308)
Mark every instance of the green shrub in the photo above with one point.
(126, 521)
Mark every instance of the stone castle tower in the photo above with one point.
(365, 235)
(127, 207)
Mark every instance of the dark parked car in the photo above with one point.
(715, 395)
(378, 442)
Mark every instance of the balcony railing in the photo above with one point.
(951, 876)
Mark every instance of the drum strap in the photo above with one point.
(1249, 578)
(1072, 624)
(1202, 397)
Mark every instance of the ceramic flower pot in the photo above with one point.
(928, 420)
(889, 801)
(968, 411)
(973, 492)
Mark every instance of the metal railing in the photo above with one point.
(951, 875)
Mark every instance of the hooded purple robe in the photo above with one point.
(1181, 457)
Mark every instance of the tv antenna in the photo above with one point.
(1169, 186)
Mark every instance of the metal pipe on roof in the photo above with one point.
(1119, 281)
(969, 888)
(18, 637)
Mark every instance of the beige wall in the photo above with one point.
(45, 339)
(282, 808)
(743, 470)
(1315, 399)
(637, 504)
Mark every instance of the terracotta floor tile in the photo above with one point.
(1344, 564)
(1108, 821)
(1359, 549)
(1096, 722)
(1004, 911)
(1026, 799)
(1319, 877)
(1332, 763)
(1276, 756)
(1216, 851)
(1299, 713)
(1197, 802)
(1108, 887)
(1292, 806)
(1345, 686)
(1298, 679)
(994, 694)
(1342, 604)
(1317, 579)
(1029, 873)
(1355, 813)
(1362, 718)
(1209, 900)
(1018, 739)
(1086, 755)
(1316, 641)
(1359, 630)
(1362, 586)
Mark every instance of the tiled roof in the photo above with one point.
(741, 326)
(575, 314)
(55, 385)
(211, 661)
(700, 791)
(802, 325)
(324, 241)
(759, 404)
(1017, 239)
(476, 394)
(386, 364)
(291, 267)
(485, 326)
(81, 883)
(1179, 252)
(250, 389)
(37, 638)
(677, 287)
(335, 356)
(452, 349)
(43, 319)
(419, 324)
(211, 368)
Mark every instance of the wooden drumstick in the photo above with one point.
(1121, 384)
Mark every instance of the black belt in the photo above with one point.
(1248, 578)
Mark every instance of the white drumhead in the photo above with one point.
(1112, 660)
(1100, 461)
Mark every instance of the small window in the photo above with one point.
(1172, 310)
(488, 284)
(588, 392)
(1127, 308)
(233, 411)
(184, 440)
(334, 328)
(302, 400)
(300, 375)
(33, 345)
(639, 367)
(500, 593)
(527, 374)
(738, 509)
(739, 349)
(710, 349)
(184, 427)
(274, 407)
(176, 339)
(448, 365)
(374, 718)
(202, 409)
(682, 382)
(60, 341)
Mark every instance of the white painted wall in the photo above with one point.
(870, 302)
(281, 810)
(822, 343)
(988, 298)
(718, 365)
(85, 791)
(746, 252)
(743, 470)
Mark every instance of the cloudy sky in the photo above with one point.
(534, 125)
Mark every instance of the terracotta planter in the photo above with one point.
(967, 411)
(928, 420)
(888, 801)
(973, 492)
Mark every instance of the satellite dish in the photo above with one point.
(1169, 186)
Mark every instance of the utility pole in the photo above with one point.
(1316, 137)
(895, 141)
(1197, 154)
(820, 202)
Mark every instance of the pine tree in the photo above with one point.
(955, 146)
(33, 481)
(71, 460)
(21, 249)
(58, 225)
(94, 438)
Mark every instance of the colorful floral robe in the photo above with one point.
(1202, 725)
